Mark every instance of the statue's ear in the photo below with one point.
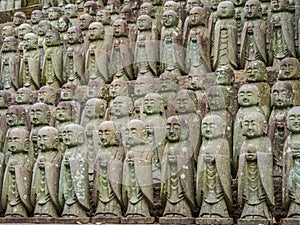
(26, 145)
(56, 143)
(80, 138)
(22, 119)
(8, 101)
(48, 117)
(265, 127)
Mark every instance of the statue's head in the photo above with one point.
(254, 125)
(225, 10)
(154, 104)
(186, 101)
(73, 135)
(36, 16)
(68, 91)
(93, 89)
(24, 96)
(40, 114)
(63, 23)
(143, 85)
(113, 6)
(54, 13)
(120, 28)
(31, 41)
(15, 115)
(252, 9)
(5, 99)
(71, 10)
(289, 69)
(18, 140)
(121, 106)
(196, 81)
(19, 18)
(23, 29)
(90, 7)
(224, 75)
(147, 9)
(213, 126)
(217, 98)
(95, 108)
(47, 94)
(48, 139)
(135, 133)
(109, 135)
(144, 22)
(168, 82)
(64, 112)
(85, 20)
(279, 5)
(282, 94)
(75, 35)
(8, 31)
(177, 129)
(118, 87)
(52, 38)
(170, 18)
(190, 4)
(248, 95)
(171, 5)
(293, 120)
(256, 71)
(126, 14)
(96, 31)
(103, 16)
(43, 27)
(10, 44)
(197, 16)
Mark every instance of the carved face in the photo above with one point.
(107, 134)
(256, 71)
(8, 31)
(36, 16)
(119, 28)
(103, 17)
(152, 104)
(293, 120)
(46, 95)
(53, 14)
(146, 9)
(216, 99)
(2, 101)
(253, 125)
(17, 140)
(43, 27)
(184, 103)
(197, 16)
(121, 107)
(173, 131)
(74, 36)
(39, 115)
(9, 44)
(191, 4)
(63, 113)
(23, 96)
(51, 39)
(90, 110)
(278, 5)
(135, 133)
(170, 19)
(171, 5)
(224, 76)
(194, 82)
(96, 31)
(144, 23)
(252, 9)
(142, 86)
(13, 117)
(19, 18)
(281, 95)
(70, 138)
(67, 93)
(47, 138)
(225, 9)
(117, 87)
(84, 21)
(248, 96)
(70, 11)
(62, 25)
(167, 84)
(289, 69)
(90, 8)
(111, 7)
(24, 29)
(212, 127)
(126, 14)
(30, 41)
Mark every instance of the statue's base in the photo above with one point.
(291, 221)
(137, 220)
(215, 221)
(254, 221)
(30, 220)
(106, 219)
(177, 220)
(74, 220)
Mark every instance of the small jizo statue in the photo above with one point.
(52, 72)
(103, 16)
(255, 173)
(42, 28)
(24, 97)
(177, 188)
(282, 101)
(225, 37)
(10, 65)
(108, 173)
(213, 173)
(97, 59)
(146, 55)
(73, 180)
(7, 31)
(54, 14)
(30, 64)
(137, 174)
(17, 176)
(35, 18)
(72, 13)
(44, 188)
(118, 87)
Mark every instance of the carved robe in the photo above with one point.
(10, 66)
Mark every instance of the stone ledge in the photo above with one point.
(254, 222)
(215, 221)
(174, 220)
(291, 221)
(137, 220)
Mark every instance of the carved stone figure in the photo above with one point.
(281, 39)
(148, 9)
(30, 63)
(198, 43)
(64, 114)
(253, 37)
(17, 176)
(23, 29)
(146, 55)
(108, 173)
(18, 19)
(47, 95)
(7, 31)
(73, 193)
(75, 57)
(213, 173)
(52, 72)
(255, 175)
(97, 59)
(127, 15)
(54, 14)
(63, 24)
(71, 12)
(5, 102)
(84, 22)
(91, 8)
(177, 188)
(10, 65)
(225, 37)
(248, 99)
(289, 69)
(113, 7)
(42, 28)
(93, 89)
(36, 17)
(137, 191)
(282, 101)
(175, 6)
(44, 188)
(24, 97)
(168, 86)
(122, 54)
(103, 16)
(171, 52)
(118, 87)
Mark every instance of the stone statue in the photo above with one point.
(175, 6)
(93, 89)
(213, 187)
(171, 51)
(73, 194)
(75, 57)
(256, 73)
(42, 28)
(18, 19)
(47, 95)
(137, 191)
(248, 99)
(146, 55)
(71, 12)
(64, 114)
(253, 37)
(122, 54)
(84, 22)
(118, 87)
(10, 65)
(5, 102)
(17, 176)
(177, 188)
(40, 116)
(23, 29)
(198, 43)
(103, 16)
(91, 7)
(52, 72)
(225, 37)
(148, 9)
(54, 14)
(8, 30)
(97, 59)
(282, 101)
(63, 24)
(36, 17)
(44, 188)
(186, 105)
(281, 39)
(127, 15)
(289, 70)
(30, 63)
(24, 97)
(255, 173)
(108, 174)
(113, 7)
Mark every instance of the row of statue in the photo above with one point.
(64, 48)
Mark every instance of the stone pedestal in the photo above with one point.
(254, 222)
(137, 220)
(215, 221)
(177, 220)
(74, 220)
(291, 221)
(106, 219)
